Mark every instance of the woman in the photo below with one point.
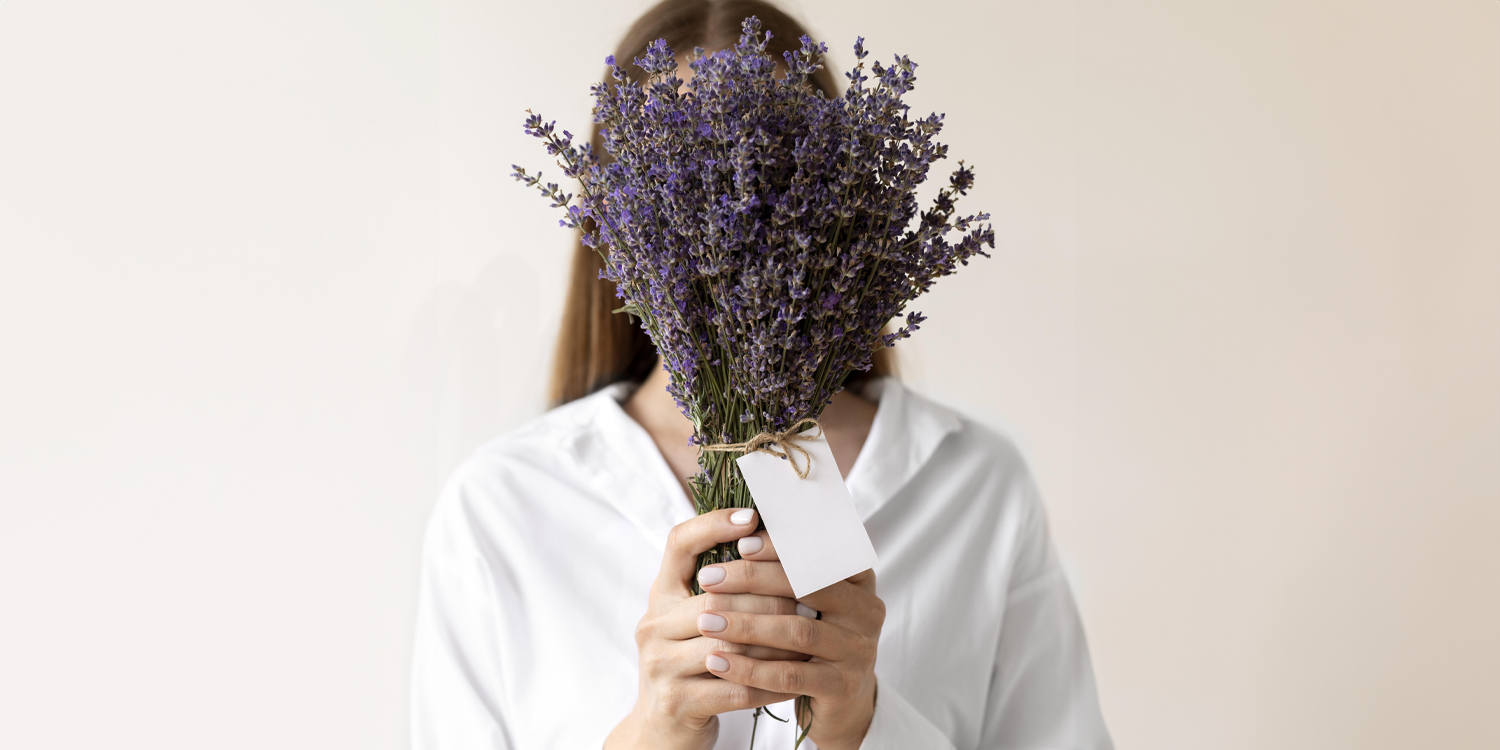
(556, 607)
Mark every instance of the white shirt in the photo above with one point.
(543, 545)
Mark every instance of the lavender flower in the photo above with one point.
(762, 233)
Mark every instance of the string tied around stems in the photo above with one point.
(781, 444)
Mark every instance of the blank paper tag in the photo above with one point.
(812, 521)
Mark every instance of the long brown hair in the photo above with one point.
(595, 346)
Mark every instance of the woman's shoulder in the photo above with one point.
(537, 440)
(928, 462)
(502, 478)
(991, 461)
(978, 464)
(933, 432)
(978, 471)
(989, 447)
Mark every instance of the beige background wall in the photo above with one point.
(263, 281)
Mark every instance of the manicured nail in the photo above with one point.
(711, 575)
(742, 517)
(806, 611)
(716, 663)
(751, 544)
(711, 623)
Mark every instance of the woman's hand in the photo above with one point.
(679, 701)
(840, 678)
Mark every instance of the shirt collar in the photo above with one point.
(625, 466)
(906, 432)
(629, 470)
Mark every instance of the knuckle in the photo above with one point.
(789, 679)
(673, 699)
(675, 539)
(644, 629)
(802, 634)
(651, 666)
(711, 602)
(737, 695)
(746, 570)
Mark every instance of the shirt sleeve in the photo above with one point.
(897, 725)
(457, 693)
(1042, 691)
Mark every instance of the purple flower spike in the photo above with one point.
(761, 233)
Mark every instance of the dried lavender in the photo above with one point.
(761, 232)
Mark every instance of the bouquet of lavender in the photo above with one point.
(761, 232)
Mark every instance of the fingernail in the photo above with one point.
(751, 545)
(711, 575)
(711, 623)
(716, 663)
(742, 517)
(806, 611)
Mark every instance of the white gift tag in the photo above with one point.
(812, 521)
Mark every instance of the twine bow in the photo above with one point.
(777, 444)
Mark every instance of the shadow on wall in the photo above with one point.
(468, 370)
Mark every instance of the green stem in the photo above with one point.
(803, 703)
